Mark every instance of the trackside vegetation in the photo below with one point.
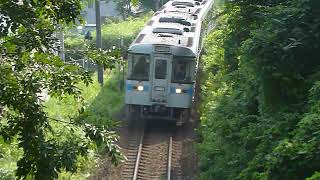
(100, 106)
(112, 33)
(260, 113)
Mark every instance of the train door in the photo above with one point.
(160, 79)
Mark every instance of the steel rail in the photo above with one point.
(136, 167)
(139, 154)
(169, 159)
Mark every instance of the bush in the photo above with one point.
(260, 110)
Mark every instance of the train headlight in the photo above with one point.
(140, 88)
(178, 91)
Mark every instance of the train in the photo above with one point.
(163, 61)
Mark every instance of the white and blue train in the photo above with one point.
(163, 61)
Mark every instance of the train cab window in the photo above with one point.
(139, 66)
(161, 69)
(182, 70)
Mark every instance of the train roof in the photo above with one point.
(177, 24)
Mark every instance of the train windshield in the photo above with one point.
(161, 69)
(139, 66)
(183, 70)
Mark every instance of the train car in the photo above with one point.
(163, 60)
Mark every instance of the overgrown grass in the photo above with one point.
(9, 155)
(126, 30)
(100, 103)
(111, 33)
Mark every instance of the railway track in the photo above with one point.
(153, 154)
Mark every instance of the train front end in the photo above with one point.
(160, 81)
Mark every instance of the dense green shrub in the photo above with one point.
(260, 113)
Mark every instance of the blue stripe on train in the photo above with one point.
(188, 91)
(130, 87)
(172, 90)
(145, 88)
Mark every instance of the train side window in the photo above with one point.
(139, 66)
(161, 69)
(182, 70)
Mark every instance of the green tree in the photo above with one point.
(28, 65)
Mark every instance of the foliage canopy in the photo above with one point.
(260, 115)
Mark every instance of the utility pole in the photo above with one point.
(61, 38)
(99, 41)
(157, 3)
(59, 35)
